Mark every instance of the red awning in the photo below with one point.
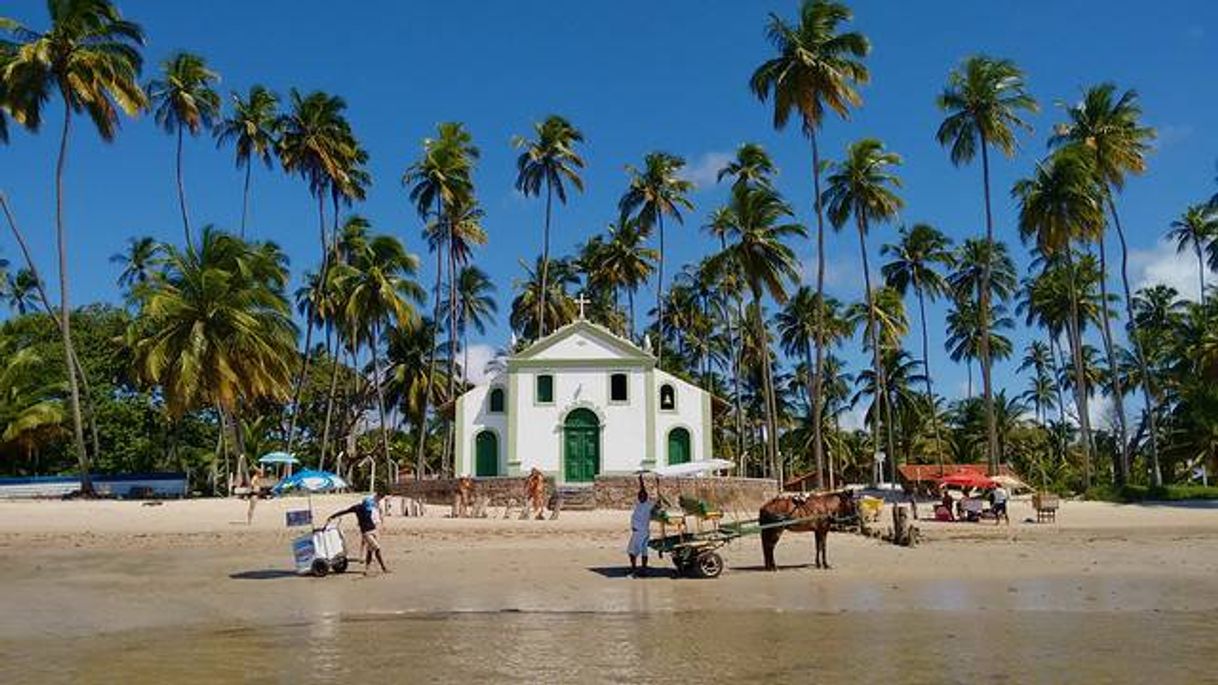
(965, 479)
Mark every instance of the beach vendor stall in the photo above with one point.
(323, 550)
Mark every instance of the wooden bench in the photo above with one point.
(1046, 505)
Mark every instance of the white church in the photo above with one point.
(581, 402)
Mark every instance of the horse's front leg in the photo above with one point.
(822, 549)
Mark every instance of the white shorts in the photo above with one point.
(638, 543)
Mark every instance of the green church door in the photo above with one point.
(678, 446)
(581, 447)
(486, 449)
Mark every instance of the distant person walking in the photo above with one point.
(367, 513)
(640, 532)
(255, 492)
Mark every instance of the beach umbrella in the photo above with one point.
(278, 458)
(311, 481)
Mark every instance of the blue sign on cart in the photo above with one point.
(302, 517)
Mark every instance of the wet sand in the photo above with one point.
(100, 591)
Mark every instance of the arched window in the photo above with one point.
(496, 401)
(668, 397)
(619, 388)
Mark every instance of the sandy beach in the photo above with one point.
(108, 573)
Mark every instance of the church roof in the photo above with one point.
(617, 346)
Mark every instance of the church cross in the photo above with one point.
(581, 301)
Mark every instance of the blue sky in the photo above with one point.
(635, 76)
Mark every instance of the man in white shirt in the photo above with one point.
(999, 498)
(640, 532)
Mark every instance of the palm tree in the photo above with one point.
(862, 186)
(984, 100)
(626, 263)
(767, 265)
(253, 128)
(139, 262)
(475, 307)
(752, 166)
(183, 100)
(90, 57)
(22, 291)
(439, 180)
(316, 143)
(913, 265)
(816, 68)
(560, 307)
(655, 191)
(1197, 228)
(216, 330)
(1106, 129)
(1059, 205)
(549, 159)
(379, 291)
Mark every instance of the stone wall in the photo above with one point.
(611, 492)
(730, 494)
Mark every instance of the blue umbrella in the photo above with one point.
(278, 458)
(311, 481)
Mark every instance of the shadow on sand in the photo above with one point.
(263, 574)
(781, 567)
(624, 572)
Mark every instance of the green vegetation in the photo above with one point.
(214, 361)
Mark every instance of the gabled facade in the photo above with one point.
(579, 403)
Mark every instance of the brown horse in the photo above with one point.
(815, 514)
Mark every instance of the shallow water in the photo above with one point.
(699, 647)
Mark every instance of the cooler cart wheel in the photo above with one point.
(340, 565)
(709, 565)
(320, 568)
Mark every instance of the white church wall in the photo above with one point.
(538, 427)
(579, 346)
(473, 416)
(692, 405)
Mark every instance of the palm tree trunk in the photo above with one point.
(431, 367)
(1122, 459)
(332, 353)
(874, 334)
(983, 317)
(1080, 383)
(309, 315)
(65, 326)
(930, 392)
(771, 407)
(545, 265)
(736, 357)
(245, 198)
(1200, 270)
(660, 296)
(818, 443)
(380, 396)
(45, 301)
(630, 300)
(182, 193)
(450, 432)
(1149, 395)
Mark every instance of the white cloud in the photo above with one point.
(855, 418)
(703, 172)
(1162, 264)
(479, 356)
(1099, 410)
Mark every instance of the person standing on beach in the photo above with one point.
(367, 517)
(999, 499)
(640, 532)
(254, 494)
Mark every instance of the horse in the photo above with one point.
(815, 513)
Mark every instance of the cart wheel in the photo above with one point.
(320, 568)
(709, 565)
(340, 565)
